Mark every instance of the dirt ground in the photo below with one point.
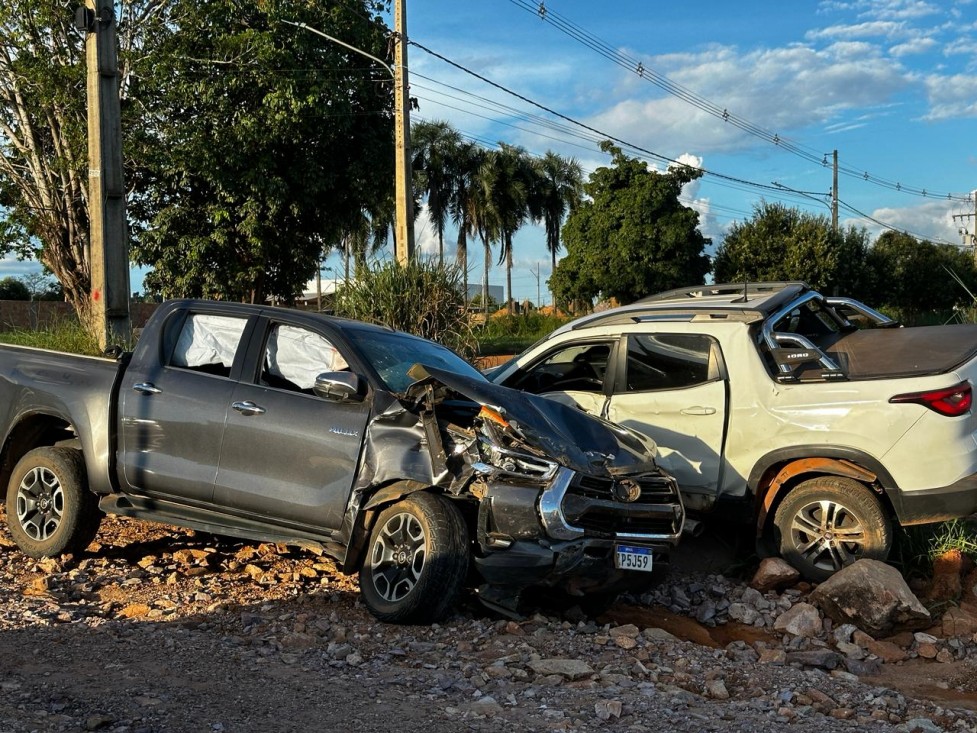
(159, 629)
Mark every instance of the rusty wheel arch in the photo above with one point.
(781, 478)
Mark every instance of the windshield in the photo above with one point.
(393, 354)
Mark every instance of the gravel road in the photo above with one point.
(157, 629)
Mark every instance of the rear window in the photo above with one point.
(208, 343)
(669, 361)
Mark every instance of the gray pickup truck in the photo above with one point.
(388, 451)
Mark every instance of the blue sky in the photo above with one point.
(890, 84)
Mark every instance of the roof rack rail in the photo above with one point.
(720, 289)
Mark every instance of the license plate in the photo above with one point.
(628, 557)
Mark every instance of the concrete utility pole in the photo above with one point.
(969, 238)
(834, 194)
(106, 190)
(404, 234)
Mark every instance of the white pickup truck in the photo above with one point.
(817, 418)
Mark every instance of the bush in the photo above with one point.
(507, 334)
(425, 298)
(13, 289)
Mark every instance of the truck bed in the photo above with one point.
(903, 352)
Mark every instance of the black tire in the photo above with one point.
(829, 522)
(416, 561)
(50, 510)
(597, 604)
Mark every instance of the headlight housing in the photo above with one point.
(496, 435)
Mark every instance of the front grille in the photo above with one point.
(654, 489)
(590, 505)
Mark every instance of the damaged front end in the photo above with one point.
(564, 500)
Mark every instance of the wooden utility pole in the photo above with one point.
(404, 234)
(106, 190)
(834, 194)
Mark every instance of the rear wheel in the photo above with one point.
(829, 522)
(50, 510)
(417, 560)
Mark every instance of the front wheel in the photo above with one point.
(50, 510)
(417, 560)
(829, 522)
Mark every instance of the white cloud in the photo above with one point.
(12, 267)
(932, 220)
(885, 29)
(915, 46)
(900, 9)
(882, 9)
(961, 47)
(951, 96)
(425, 235)
(782, 90)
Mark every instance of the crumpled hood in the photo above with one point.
(567, 435)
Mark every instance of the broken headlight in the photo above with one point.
(505, 454)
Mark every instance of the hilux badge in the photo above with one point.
(345, 431)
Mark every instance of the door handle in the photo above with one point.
(699, 410)
(248, 408)
(146, 388)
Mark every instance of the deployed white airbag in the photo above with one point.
(300, 356)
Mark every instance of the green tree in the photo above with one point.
(632, 237)
(13, 289)
(465, 200)
(559, 189)
(264, 143)
(435, 147)
(248, 142)
(40, 286)
(912, 276)
(507, 180)
(784, 243)
(43, 136)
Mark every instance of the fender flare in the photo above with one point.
(362, 522)
(767, 492)
(393, 492)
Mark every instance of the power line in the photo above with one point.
(637, 67)
(604, 135)
(772, 188)
(892, 228)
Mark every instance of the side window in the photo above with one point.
(574, 368)
(208, 343)
(295, 356)
(670, 361)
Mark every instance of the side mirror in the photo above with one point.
(339, 387)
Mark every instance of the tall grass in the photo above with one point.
(916, 547)
(425, 298)
(65, 335)
(509, 334)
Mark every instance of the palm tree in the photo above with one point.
(559, 189)
(435, 147)
(464, 201)
(483, 222)
(506, 177)
(365, 234)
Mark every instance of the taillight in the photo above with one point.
(951, 401)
